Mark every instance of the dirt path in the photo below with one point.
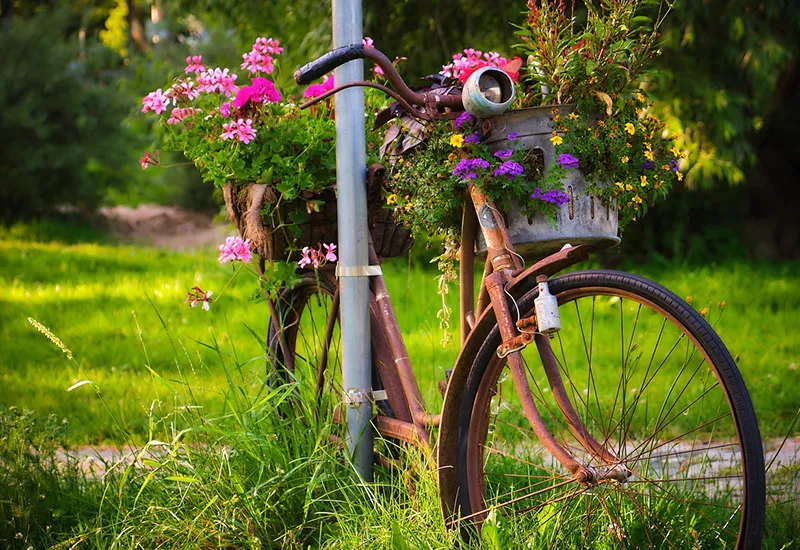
(165, 226)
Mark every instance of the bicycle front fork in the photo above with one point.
(518, 335)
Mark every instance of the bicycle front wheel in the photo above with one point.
(680, 463)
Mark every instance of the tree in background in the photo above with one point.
(63, 138)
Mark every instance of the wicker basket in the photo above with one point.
(245, 204)
(585, 219)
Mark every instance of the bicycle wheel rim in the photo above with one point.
(573, 289)
(308, 315)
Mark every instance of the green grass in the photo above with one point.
(98, 297)
(229, 470)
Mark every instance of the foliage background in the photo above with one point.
(76, 69)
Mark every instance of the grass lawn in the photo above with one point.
(104, 301)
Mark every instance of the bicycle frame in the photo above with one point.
(412, 422)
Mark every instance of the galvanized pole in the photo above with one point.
(351, 164)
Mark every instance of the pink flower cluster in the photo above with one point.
(316, 90)
(464, 64)
(183, 89)
(239, 129)
(316, 257)
(260, 59)
(233, 249)
(217, 80)
(194, 65)
(260, 90)
(178, 114)
(197, 295)
(155, 101)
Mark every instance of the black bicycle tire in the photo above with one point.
(729, 375)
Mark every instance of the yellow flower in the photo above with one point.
(573, 116)
(643, 179)
(593, 80)
(628, 187)
(624, 160)
(401, 160)
(628, 145)
(665, 167)
(396, 176)
(601, 123)
(676, 152)
(640, 97)
(457, 140)
(674, 135)
(658, 184)
(556, 140)
(637, 199)
(630, 128)
(619, 184)
(649, 155)
(648, 146)
(391, 199)
(679, 176)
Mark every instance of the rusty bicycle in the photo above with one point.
(596, 406)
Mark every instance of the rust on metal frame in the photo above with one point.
(495, 285)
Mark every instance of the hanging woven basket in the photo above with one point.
(274, 239)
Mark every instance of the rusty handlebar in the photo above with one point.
(427, 100)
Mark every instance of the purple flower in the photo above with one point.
(512, 136)
(554, 196)
(472, 138)
(468, 168)
(509, 168)
(647, 165)
(673, 164)
(568, 161)
(504, 154)
(464, 118)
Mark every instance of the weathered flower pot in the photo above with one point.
(245, 205)
(584, 219)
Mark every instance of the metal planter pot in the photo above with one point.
(585, 219)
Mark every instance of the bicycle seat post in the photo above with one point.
(353, 240)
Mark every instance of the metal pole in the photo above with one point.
(351, 162)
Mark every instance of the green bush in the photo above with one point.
(63, 141)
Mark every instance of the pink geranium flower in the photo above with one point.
(217, 81)
(194, 65)
(183, 89)
(260, 59)
(225, 109)
(260, 91)
(329, 254)
(305, 259)
(155, 101)
(239, 129)
(196, 294)
(149, 159)
(233, 249)
(316, 257)
(464, 64)
(179, 114)
(316, 90)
